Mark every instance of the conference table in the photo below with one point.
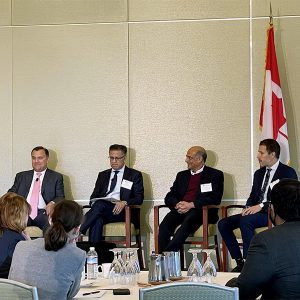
(100, 284)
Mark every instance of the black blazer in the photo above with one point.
(214, 197)
(52, 188)
(134, 196)
(272, 266)
(283, 171)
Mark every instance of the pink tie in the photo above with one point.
(34, 199)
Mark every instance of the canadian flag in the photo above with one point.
(272, 113)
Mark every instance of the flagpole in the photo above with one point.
(271, 16)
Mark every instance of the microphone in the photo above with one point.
(37, 179)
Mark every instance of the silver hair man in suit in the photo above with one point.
(50, 187)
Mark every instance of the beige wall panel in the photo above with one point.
(189, 85)
(70, 94)
(5, 12)
(287, 42)
(68, 11)
(279, 8)
(144, 10)
(6, 109)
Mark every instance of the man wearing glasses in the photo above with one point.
(114, 189)
(199, 185)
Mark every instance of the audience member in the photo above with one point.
(114, 189)
(41, 186)
(255, 213)
(272, 267)
(199, 185)
(53, 264)
(14, 211)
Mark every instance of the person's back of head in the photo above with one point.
(66, 217)
(285, 198)
(14, 212)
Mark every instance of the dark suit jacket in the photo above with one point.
(283, 171)
(272, 267)
(134, 196)
(214, 197)
(52, 188)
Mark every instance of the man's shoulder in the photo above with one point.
(131, 170)
(24, 173)
(212, 170)
(53, 173)
(286, 167)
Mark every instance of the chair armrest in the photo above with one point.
(225, 209)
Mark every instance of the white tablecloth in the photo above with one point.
(101, 283)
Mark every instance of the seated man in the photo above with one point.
(199, 185)
(255, 213)
(272, 267)
(41, 187)
(118, 186)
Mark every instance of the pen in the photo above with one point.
(95, 292)
(90, 293)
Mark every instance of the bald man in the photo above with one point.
(199, 185)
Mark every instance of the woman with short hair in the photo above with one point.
(53, 264)
(14, 211)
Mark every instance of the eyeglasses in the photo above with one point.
(116, 158)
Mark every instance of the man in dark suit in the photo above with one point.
(199, 185)
(48, 184)
(272, 268)
(120, 186)
(255, 213)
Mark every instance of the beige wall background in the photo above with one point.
(156, 75)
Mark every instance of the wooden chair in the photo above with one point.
(122, 233)
(200, 237)
(34, 232)
(237, 232)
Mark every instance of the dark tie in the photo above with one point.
(263, 189)
(113, 182)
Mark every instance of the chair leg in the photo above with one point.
(140, 253)
(225, 257)
(182, 257)
(218, 254)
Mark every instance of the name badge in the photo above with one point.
(206, 187)
(126, 184)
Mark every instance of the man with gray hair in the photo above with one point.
(199, 185)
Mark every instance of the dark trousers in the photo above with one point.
(247, 225)
(100, 214)
(40, 221)
(189, 222)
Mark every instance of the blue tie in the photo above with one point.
(113, 182)
(263, 190)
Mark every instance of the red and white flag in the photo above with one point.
(272, 120)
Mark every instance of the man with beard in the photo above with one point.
(272, 268)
